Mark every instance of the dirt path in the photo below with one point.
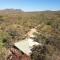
(32, 31)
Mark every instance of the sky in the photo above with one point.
(30, 5)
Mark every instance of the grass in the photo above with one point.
(13, 27)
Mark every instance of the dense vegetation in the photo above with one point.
(14, 26)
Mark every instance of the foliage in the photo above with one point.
(38, 53)
(14, 26)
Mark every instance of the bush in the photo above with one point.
(38, 52)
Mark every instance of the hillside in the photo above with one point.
(10, 11)
(14, 24)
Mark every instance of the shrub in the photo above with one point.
(38, 52)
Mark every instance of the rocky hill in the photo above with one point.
(7, 11)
